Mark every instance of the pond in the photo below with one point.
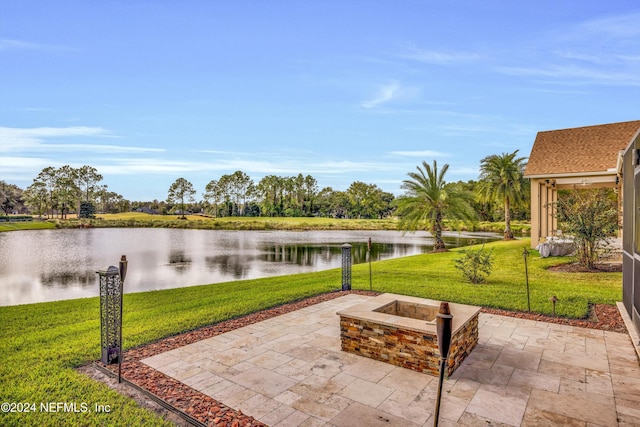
(49, 265)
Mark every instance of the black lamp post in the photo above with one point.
(123, 273)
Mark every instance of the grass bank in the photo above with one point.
(42, 343)
(136, 219)
(35, 225)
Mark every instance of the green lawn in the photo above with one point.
(35, 225)
(42, 343)
(136, 219)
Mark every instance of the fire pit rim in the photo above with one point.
(365, 311)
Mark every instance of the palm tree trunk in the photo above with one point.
(438, 245)
(508, 234)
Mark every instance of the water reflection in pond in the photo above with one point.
(47, 265)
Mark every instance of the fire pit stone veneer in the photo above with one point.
(401, 330)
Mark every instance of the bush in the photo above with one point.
(87, 210)
(591, 217)
(475, 265)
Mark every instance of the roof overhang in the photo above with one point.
(589, 179)
(610, 172)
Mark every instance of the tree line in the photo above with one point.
(237, 194)
(57, 192)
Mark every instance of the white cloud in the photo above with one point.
(12, 44)
(421, 153)
(6, 44)
(36, 139)
(577, 75)
(464, 170)
(258, 164)
(604, 51)
(385, 94)
(616, 26)
(439, 57)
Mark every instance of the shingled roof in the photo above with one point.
(586, 149)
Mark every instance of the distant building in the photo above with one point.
(147, 210)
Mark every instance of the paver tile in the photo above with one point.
(522, 359)
(522, 377)
(294, 419)
(366, 392)
(264, 381)
(576, 359)
(270, 359)
(535, 417)
(500, 407)
(358, 415)
(406, 381)
(580, 407)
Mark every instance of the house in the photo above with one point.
(586, 157)
(147, 210)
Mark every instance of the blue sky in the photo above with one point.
(150, 91)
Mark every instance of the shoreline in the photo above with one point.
(200, 222)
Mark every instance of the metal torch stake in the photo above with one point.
(123, 274)
(369, 250)
(443, 331)
(525, 254)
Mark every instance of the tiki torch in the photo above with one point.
(443, 330)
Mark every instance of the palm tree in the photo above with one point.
(502, 181)
(429, 199)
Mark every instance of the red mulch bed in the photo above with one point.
(575, 267)
(213, 413)
(601, 316)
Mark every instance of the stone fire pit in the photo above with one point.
(401, 330)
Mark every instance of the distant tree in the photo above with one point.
(36, 196)
(180, 190)
(270, 190)
(10, 197)
(241, 188)
(501, 179)
(66, 188)
(591, 217)
(311, 192)
(367, 201)
(88, 179)
(46, 179)
(213, 196)
(429, 200)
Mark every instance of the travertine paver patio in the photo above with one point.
(289, 371)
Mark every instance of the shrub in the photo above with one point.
(591, 217)
(475, 265)
(87, 210)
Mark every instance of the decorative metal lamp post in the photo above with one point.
(346, 267)
(111, 284)
(444, 320)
